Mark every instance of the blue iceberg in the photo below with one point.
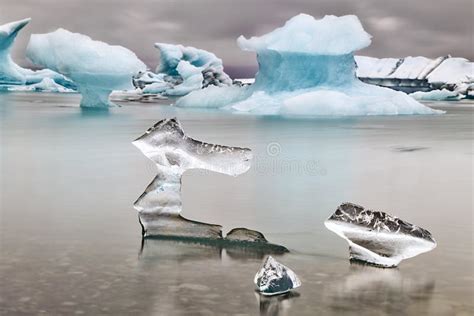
(96, 67)
(307, 68)
(11, 74)
(183, 69)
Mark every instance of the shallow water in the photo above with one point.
(70, 242)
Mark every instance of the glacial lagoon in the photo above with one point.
(70, 241)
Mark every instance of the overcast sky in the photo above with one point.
(399, 27)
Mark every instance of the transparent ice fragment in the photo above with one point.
(173, 152)
(378, 238)
(274, 278)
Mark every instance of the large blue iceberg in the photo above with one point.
(11, 74)
(307, 68)
(183, 69)
(96, 67)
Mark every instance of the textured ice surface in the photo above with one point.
(96, 67)
(443, 70)
(173, 152)
(378, 238)
(307, 68)
(12, 74)
(244, 234)
(183, 69)
(274, 278)
(437, 95)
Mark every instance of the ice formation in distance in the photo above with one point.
(173, 152)
(183, 69)
(10, 73)
(96, 67)
(307, 68)
(45, 85)
(273, 278)
(378, 238)
(437, 95)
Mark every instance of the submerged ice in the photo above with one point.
(307, 67)
(96, 67)
(182, 69)
(273, 278)
(378, 238)
(173, 152)
(11, 74)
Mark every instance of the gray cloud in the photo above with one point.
(400, 28)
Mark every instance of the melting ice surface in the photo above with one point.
(183, 69)
(307, 68)
(10, 73)
(173, 152)
(274, 278)
(378, 238)
(96, 67)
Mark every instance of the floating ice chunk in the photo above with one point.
(182, 70)
(173, 152)
(46, 85)
(274, 278)
(11, 74)
(96, 67)
(307, 68)
(244, 234)
(437, 95)
(378, 238)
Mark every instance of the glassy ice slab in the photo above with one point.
(173, 152)
(274, 278)
(378, 238)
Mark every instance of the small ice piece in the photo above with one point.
(437, 95)
(378, 238)
(96, 67)
(173, 152)
(245, 234)
(45, 85)
(274, 278)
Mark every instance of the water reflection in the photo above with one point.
(182, 249)
(279, 305)
(376, 291)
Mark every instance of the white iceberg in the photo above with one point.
(378, 238)
(437, 95)
(273, 278)
(183, 69)
(11, 74)
(307, 68)
(45, 85)
(96, 67)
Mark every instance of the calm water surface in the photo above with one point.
(70, 242)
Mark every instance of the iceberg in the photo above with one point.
(183, 69)
(96, 67)
(376, 237)
(274, 278)
(11, 74)
(419, 74)
(307, 68)
(437, 95)
(173, 152)
(45, 85)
